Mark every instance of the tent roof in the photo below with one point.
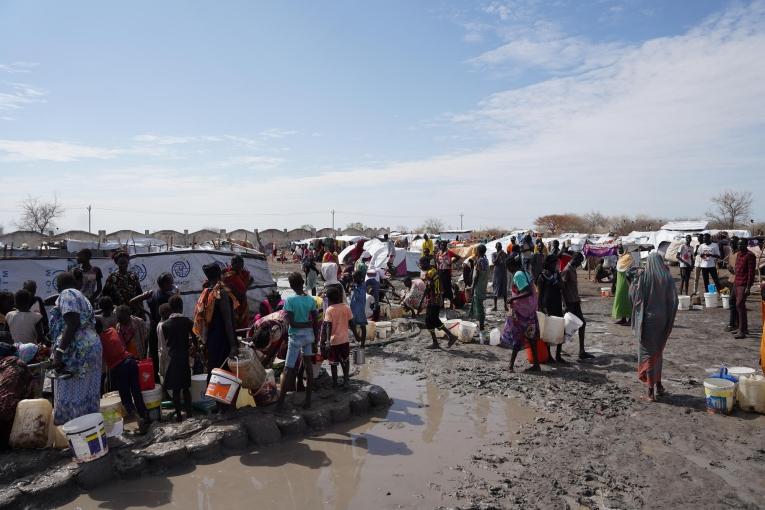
(685, 226)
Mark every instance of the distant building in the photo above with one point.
(455, 235)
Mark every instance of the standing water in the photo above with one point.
(411, 457)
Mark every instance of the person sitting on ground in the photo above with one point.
(37, 304)
(300, 309)
(358, 304)
(338, 320)
(550, 303)
(413, 300)
(654, 305)
(106, 312)
(572, 299)
(25, 325)
(132, 331)
(123, 373)
(460, 297)
(521, 325)
(433, 303)
(181, 341)
(91, 276)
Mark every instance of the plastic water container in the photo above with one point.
(153, 401)
(712, 288)
(112, 411)
(494, 336)
(223, 386)
(198, 388)
(750, 393)
(371, 330)
(711, 299)
(683, 302)
(249, 369)
(453, 325)
(467, 331)
(146, 374)
(554, 330)
(571, 325)
(720, 394)
(87, 437)
(30, 424)
(384, 329)
(116, 428)
(725, 298)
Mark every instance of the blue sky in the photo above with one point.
(258, 114)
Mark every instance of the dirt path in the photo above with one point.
(600, 446)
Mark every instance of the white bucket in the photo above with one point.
(87, 437)
(571, 325)
(750, 393)
(683, 302)
(740, 371)
(725, 301)
(153, 401)
(719, 395)
(554, 330)
(223, 386)
(111, 409)
(467, 330)
(198, 388)
(453, 325)
(494, 336)
(384, 329)
(711, 300)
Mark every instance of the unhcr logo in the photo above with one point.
(181, 269)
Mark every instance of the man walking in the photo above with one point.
(746, 264)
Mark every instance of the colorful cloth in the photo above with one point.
(133, 335)
(654, 305)
(359, 304)
(238, 282)
(622, 306)
(521, 325)
(80, 394)
(205, 308)
(415, 294)
(122, 287)
(278, 325)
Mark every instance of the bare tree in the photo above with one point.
(559, 223)
(731, 208)
(38, 215)
(356, 225)
(594, 221)
(432, 226)
(308, 227)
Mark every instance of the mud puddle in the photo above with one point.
(416, 456)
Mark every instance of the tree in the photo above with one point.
(357, 225)
(731, 208)
(559, 223)
(432, 226)
(308, 227)
(40, 216)
(594, 221)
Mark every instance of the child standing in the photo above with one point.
(107, 315)
(338, 320)
(179, 339)
(26, 326)
(299, 309)
(359, 305)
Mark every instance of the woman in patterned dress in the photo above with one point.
(77, 351)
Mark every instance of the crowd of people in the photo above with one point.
(96, 331)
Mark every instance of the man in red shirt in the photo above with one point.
(746, 267)
(123, 372)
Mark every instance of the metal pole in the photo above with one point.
(461, 215)
(89, 220)
(333, 219)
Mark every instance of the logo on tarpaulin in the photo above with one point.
(51, 284)
(139, 270)
(181, 269)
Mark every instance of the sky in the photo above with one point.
(240, 114)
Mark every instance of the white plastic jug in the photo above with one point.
(750, 393)
(572, 323)
(30, 425)
(711, 299)
(467, 330)
(554, 329)
(683, 302)
(494, 336)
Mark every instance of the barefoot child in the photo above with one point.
(359, 305)
(338, 320)
(179, 339)
(299, 309)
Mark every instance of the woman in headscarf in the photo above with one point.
(622, 308)
(521, 326)
(654, 305)
(77, 351)
(499, 275)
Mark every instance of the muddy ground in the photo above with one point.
(596, 444)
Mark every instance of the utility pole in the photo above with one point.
(333, 219)
(461, 215)
(88, 208)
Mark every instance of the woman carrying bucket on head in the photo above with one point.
(654, 305)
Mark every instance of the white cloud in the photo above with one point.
(17, 67)
(277, 133)
(18, 95)
(44, 150)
